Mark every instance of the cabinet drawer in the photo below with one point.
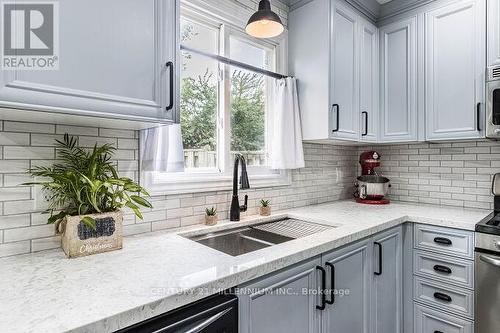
(454, 299)
(431, 321)
(454, 242)
(443, 268)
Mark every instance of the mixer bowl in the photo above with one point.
(373, 187)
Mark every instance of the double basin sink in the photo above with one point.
(247, 239)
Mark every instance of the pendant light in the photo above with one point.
(264, 23)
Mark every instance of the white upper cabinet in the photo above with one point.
(117, 60)
(309, 62)
(368, 83)
(493, 32)
(344, 73)
(329, 45)
(398, 83)
(455, 70)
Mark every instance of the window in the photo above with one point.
(223, 109)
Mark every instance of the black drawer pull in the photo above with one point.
(323, 288)
(442, 297)
(442, 269)
(170, 66)
(379, 258)
(438, 332)
(332, 283)
(442, 241)
(336, 108)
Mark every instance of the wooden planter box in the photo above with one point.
(78, 240)
(211, 220)
(265, 211)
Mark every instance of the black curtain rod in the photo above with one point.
(235, 63)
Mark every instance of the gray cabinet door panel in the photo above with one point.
(455, 70)
(351, 310)
(113, 67)
(283, 302)
(387, 291)
(398, 81)
(344, 73)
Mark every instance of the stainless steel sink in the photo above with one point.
(243, 240)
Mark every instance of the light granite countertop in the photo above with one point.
(157, 272)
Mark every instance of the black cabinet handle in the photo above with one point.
(442, 241)
(442, 269)
(323, 288)
(365, 133)
(438, 332)
(379, 258)
(478, 115)
(332, 283)
(442, 297)
(336, 107)
(170, 66)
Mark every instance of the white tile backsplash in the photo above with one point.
(328, 176)
(456, 174)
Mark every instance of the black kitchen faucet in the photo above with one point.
(235, 203)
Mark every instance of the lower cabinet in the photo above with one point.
(387, 287)
(429, 320)
(283, 302)
(362, 285)
(348, 307)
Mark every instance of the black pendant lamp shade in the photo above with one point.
(264, 23)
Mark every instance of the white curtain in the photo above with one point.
(161, 149)
(286, 151)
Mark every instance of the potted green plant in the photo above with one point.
(86, 195)
(211, 216)
(265, 208)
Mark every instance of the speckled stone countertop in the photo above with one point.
(157, 272)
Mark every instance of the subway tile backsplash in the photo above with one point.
(455, 174)
(328, 176)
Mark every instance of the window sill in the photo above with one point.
(158, 184)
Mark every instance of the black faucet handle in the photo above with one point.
(245, 206)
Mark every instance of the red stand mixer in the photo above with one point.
(371, 188)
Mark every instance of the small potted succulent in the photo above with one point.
(85, 196)
(211, 216)
(265, 208)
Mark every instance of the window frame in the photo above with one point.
(220, 178)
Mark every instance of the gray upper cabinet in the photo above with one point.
(493, 33)
(398, 81)
(115, 67)
(350, 270)
(333, 51)
(344, 72)
(283, 302)
(387, 290)
(455, 47)
(368, 83)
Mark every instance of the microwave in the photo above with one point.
(493, 103)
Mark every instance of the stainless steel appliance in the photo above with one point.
(493, 103)
(214, 314)
(487, 268)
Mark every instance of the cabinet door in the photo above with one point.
(387, 290)
(493, 33)
(344, 68)
(282, 302)
(368, 83)
(398, 107)
(455, 67)
(350, 272)
(112, 62)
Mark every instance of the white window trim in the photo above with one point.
(200, 181)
